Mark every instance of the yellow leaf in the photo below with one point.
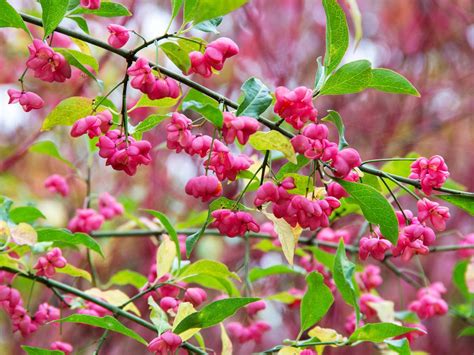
(114, 297)
(4, 230)
(385, 310)
(273, 140)
(184, 310)
(226, 343)
(165, 256)
(83, 46)
(24, 234)
(325, 335)
(287, 235)
(289, 350)
(470, 276)
(73, 271)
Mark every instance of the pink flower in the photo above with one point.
(467, 240)
(233, 223)
(336, 190)
(267, 192)
(414, 239)
(46, 313)
(93, 309)
(119, 36)
(56, 183)
(308, 352)
(333, 236)
(166, 343)
(27, 99)
(199, 65)
(22, 322)
(226, 165)
(94, 126)
(429, 302)
(195, 295)
(375, 245)
(313, 143)
(238, 127)
(205, 187)
(370, 278)
(350, 324)
(438, 215)
(66, 348)
(142, 77)
(109, 207)
(169, 303)
(310, 214)
(90, 4)
(46, 265)
(255, 307)
(254, 331)
(164, 88)
(46, 63)
(200, 145)
(295, 107)
(86, 220)
(432, 173)
(9, 298)
(344, 161)
(179, 134)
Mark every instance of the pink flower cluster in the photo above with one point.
(86, 221)
(333, 236)
(166, 343)
(27, 99)
(119, 35)
(234, 223)
(204, 187)
(57, 183)
(370, 278)
(94, 126)
(295, 107)
(252, 331)
(374, 245)
(47, 265)
(432, 173)
(414, 239)
(144, 80)
(241, 127)
(109, 207)
(433, 212)
(46, 313)
(46, 63)
(213, 58)
(429, 302)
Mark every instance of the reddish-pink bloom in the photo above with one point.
(179, 134)
(56, 183)
(310, 214)
(254, 331)
(109, 207)
(233, 223)
(200, 145)
(166, 343)
(9, 298)
(432, 173)
(22, 322)
(164, 88)
(46, 63)
(46, 265)
(27, 99)
(204, 187)
(142, 77)
(267, 192)
(86, 220)
(313, 143)
(429, 302)
(344, 161)
(195, 295)
(255, 307)
(66, 348)
(467, 240)
(333, 236)
(414, 239)
(46, 313)
(238, 127)
(199, 65)
(93, 309)
(169, 303)
(308, 352)
(94, 126)
(375, 245)
(369, 278)
(90, 4)
(296, 106)
(119, 35)
(434, 212)
(224, 164)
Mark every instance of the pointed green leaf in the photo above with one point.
(149, 123)
(378, 332)
(207, 267)
(78, 59)
(49, 148)
(387, 80)
(209, 108)
(177, 55)
(73, 271)
(337, 34)
(65, 237)
(52, 15)
(67, 112)
(257, 98)
(128, 277)
(27, 214)
(201, 10)
(464, 202)
(351, 78)
(209, 25)
(258, 273)
(9, 17)
(316, 301)
(31, 350)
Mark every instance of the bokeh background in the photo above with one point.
(431, 42)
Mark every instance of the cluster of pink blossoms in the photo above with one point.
(234, 223)
(429, 302)
(93, 126)
(47, 64)
(310, 264)
(47, 265)
(144, 80)
(295, 107)
(432, 173)
(213, 58)
(254, 330)
(370, 278)
(166, 343)
(333, 236)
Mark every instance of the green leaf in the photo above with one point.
(209, 108)
(170, 229)
(468, 331)
(320, 75)
(67, 112)
(128, 277)
(351, 78)
(52, 15)
(209, 26)
(301, 161)
(81, 23)
(464, 202)
(149, 123)
(9, 17)
(283, 297)
(106, 322)
(336, 119)
(378, 332)
(201, 10)
(27, 214)
(73, 271)
(213, 313)
(63, 236)
(177, 55)
(192, 239)
(217, 283)
(258, 273)
(303, 184)
(145, 101)
(400, 346)
(387, 80)
(8, 261)
(31, 350)
(49, 148)
(157, 316)
(273, 140)
(316, 301)
(324, 257)
(459, 278)
(207, 267)
(107, 9)
(78, 59)
(344, 278)
(175, 6)
(257, 98)
(375, 207)
(337, 34)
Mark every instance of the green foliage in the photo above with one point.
(79, 60)
(81, 23)
(389, 81)
(337, 34)
(10, 18)
(209, 25)
(216, 283)
(49, 148)
(378, 332)
(67, 112)
(303, 184)
(468, 331)
(400, 346)
(128, 277)
(459, 279)
(316, 301)
(336, 119)
(343, 273)
(464, 202)
(209, 108)
(62, 237)
(149, 123)
(351, 78)
(107, 9)
(201, 10)
(289, 167)
(73, 271)
(31, 350)
(27, 214)
(106, 322)
(375, 207)
(52, 15)
(320, 75)
(324, 257)
(209, 268)
(258, 273)
(177, 55)
(213, 313)
(158, 317)
(145, 101)
(256, 98)
(273, 140)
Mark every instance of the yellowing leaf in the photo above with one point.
(287, 235)
(273, 140)
(184, 310)
(226, 343)
(73, 271)
(24, 234)
(83, 46)
(325, 335)
(67, 112)
(165, 256)
(114, 297)
(470, 276)
(289, 350)
(4, 230)
(385, 311)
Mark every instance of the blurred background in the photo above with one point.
(431, 42)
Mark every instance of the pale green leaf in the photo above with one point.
(257, 98)
(52, 15)
(387, 80)
(351, 78)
